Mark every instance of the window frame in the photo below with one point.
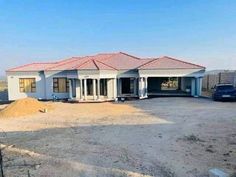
(56, 88)
(22, 86)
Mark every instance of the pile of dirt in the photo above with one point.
(24, 107)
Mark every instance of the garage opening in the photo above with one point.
(169, 86)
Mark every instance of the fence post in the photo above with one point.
(219, 78)
(207, 82)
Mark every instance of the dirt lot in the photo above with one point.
(156, 137)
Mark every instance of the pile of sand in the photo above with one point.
(24, 107)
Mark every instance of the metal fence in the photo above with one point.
(210, 80)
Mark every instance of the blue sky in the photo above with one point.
(201, 31)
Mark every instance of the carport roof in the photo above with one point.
(108, 61)
(166, 62)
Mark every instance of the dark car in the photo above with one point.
(224, 92)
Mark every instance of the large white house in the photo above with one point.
(105, 77)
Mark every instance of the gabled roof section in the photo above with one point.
(169, 63)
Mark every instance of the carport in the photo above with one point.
(170, 77)
(169, 86)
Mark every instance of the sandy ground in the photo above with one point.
(156, 137)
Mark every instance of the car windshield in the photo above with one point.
(225, 87)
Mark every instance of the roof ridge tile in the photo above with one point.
(106, 65)
(79, 65)
(147, 62)
(96, 64)
(130, 55)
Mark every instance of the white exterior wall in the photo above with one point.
(49, 83)
(14, 85)
(44, 81)
(78, 89)
(110, 90)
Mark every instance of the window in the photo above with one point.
(60, 85)
(27, 85)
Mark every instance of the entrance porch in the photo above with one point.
(92, 89)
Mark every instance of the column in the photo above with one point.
(94, 89)
(73, 88)
(135, 86)
(198, 86)
(145, 87)
(70, 89)
(98, 88)
(114, 88)
(77, 89)
(193, 87)
(119, 87)
(85, 89)
(140, 87)
(81, 89)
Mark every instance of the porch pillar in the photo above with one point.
(198, 86)
(145, 87)
(85, 89)
(193, 87)
(135, 86)
(94, 89)
(119, 87)
(73, 88)
(114, 88)
(70, 89)
(81, 89)
(141, 87)
(98, 88)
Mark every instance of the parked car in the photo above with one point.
(224, 92)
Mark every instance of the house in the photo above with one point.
(105, 77)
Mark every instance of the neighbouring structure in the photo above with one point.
(105, 77)
(215, 77)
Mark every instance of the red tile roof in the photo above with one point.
(33, 67)
(169, 63)
(111, 61)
